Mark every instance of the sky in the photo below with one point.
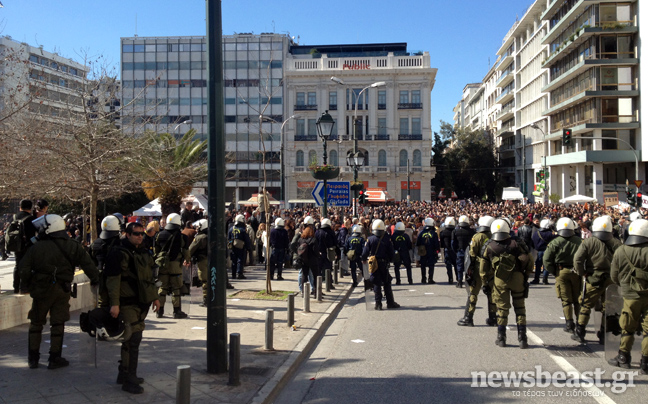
(462, 36)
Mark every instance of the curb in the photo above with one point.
(269, 392)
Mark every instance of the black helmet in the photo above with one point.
(100, 323)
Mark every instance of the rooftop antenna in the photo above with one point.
(135, 24)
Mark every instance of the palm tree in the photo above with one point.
(172, 168)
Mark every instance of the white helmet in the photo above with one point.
(325, 223)
(110, 227)
(484, 224)
(464, 221)
(308, 220)
(400, 226)
(634, 216)
(500, 229)
(200, 225)
(356, 229)
(239, 219)
(279, 222)
(450, 222)
(545, 224)
(428, 222)
(637, 232)
(602, 228)
(378, 227)
(49, 224)
(173, 222)
(565, 227)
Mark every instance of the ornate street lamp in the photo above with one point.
(325, 124)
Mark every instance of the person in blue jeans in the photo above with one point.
(541, 239)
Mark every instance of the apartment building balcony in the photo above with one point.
(305, 138)
(382, 106)
(410, 105)
(507, 148)
(585, 95)
(584, 65)
(377, 137)
(505, 97)
(410, 137)
(332, 107)
(594, 156)
(305, 107)
(419, 60)
(570, 16)
(505, 114)
(505, 130)
(506, 78)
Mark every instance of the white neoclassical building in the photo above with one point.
(393, 120)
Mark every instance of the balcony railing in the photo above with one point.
(380, 137)
(391, 61)
(332, 107)
(307, 138)
(410, 137)
(305, 107)
(382, 106)
(410, 105)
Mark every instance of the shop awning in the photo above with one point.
(512, 194)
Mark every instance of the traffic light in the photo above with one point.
(567, 137)
(639, 202)
(362, 198)
(631, 197)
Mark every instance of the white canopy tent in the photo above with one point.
(577, 199)
(152, 208)
(512, 194)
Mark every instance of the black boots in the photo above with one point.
(131, 383)
(122, 376)
(56, 362)
(32, 359)
(579, 334)
(467, 320)
(393, 305)
(378, 306)
(622, 360)
(569, 326)
(492, 319)
(178, 313)
(522, 336)
(501, 336)
(160, 312)
(643, 365)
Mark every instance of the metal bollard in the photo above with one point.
(318, 290)
(269, 329)
(291, 310)
(328, 280)
(235, 360)
(306, 288)
(183, 384)
(335, 275)
(339, 270)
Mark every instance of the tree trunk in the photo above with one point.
(94, 198)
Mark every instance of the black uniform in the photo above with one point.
(30, 232)
(449, 256)
(279, 243)
(461, 237)
(402, 247)
(383, 249)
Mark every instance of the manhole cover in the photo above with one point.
(573, 351)
(254, 370)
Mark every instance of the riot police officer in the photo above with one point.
(402, 247)
(508, 262)
(473, 276)
(541, 240)
(381, 247)
(427, 243)
(326, 242)
(628, 270)
(592, 260)
(199, 252)
(353, 250)
(461, 237)
(240, 244)
(558, 259)
(171, 249)
(47, 270)
(279, 244)
(109, 236)
(449, 256)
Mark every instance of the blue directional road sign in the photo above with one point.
(339, 193)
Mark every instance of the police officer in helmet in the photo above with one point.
(402, 248)
(461, 237)
(381, 247)
(427, 243)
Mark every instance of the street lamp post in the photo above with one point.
(281, 151)
(355, 134)
(175, 130)
(325, 124)
(545, 198)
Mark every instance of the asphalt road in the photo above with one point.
(417, 354)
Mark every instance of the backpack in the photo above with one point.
(303, 250)
(504, 263)
(162, 257)
(237, 239)
(356, 244)
(15, 239)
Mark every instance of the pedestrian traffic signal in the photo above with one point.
(567, 137)
(639, 201)
(362, 198)
(631, 197)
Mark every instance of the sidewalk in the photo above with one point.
(169, 343)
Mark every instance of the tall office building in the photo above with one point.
(393, 120)
(164, 88)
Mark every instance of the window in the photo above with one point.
(127, 48)
(416, 157)
(402, 158)
(332, 99)
(403, 97)
(416, 126)
(382, 126)
(312, 157)
(416, 96)
(299, 159)
(333, 158)
(382, 99)
(611, 143)
(301, 127)
(301, 100)
(138, 48)
(382, 158)
(312, 129)
(312, 98)
(404, 126)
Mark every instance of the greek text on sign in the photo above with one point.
(338, 193)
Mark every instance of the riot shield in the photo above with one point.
(613, 308)
(368, 287)
(468, 280)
